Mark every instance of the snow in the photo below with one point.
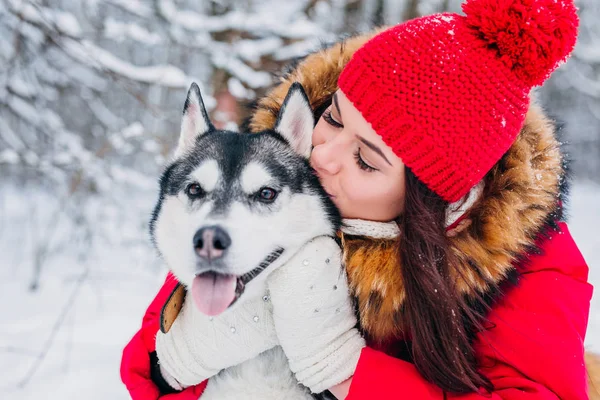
(51, 120)
(151, 146)
(9, 156)
(90, 100)
(132, 178)
(253, 50)
(103, 113)
(31, 158)
(24, 109)
(297, 49)
(237, 89)
(584, 84)
(63, 21)
(281, 18)
(31, 32)
(88, 53)
(27, 11)
(97, 299)
(584, 221)
(20, 87)
(135, 129)
(120, 31)
(66, 23)
(63, 158)
(10, 137)
(135, 7)
(231, 64)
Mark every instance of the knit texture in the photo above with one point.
(314, 315)
(449, 93)
(390, 230)
(372, 229)
(197, 346)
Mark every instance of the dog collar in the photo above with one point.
(172, 307)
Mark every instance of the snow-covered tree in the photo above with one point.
(91, 91)
(90, 85)
(91, 94)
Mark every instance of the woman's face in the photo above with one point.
(363, 176)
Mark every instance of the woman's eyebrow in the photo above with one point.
(374, 147)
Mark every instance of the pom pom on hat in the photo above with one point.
(532, 37)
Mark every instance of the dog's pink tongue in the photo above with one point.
(213, 293)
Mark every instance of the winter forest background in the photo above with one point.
(91, 93)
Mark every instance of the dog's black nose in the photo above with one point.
(211, 242)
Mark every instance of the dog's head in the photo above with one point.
(234, 206)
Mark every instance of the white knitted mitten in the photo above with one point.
(197, 347)
(314, 316)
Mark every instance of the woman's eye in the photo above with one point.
(267, 194)
(362, 164)
(329, 119)
(194, 191)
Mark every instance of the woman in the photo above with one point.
(428, 127)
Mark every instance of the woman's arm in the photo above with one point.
(532, 349)
(139, 354)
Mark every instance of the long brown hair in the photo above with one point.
(440, 322)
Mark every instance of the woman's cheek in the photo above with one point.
(323, 132)
(355, 189)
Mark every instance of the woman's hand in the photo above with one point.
(314, 315)
(197, 346)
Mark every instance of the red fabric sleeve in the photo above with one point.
(135, 362)
(533, 349)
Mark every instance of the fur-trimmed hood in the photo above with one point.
(521, 198)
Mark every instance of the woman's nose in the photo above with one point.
(325, 158)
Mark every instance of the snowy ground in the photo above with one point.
(98, 306)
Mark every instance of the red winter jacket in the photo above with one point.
(533, 350)
(135, 363)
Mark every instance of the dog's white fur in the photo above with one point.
(207, 175)
(254, 176)
(176, 226)
(267, 377)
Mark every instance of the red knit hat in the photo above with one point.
(449, 93)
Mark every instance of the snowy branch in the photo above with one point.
(89, 54)
(283, 19)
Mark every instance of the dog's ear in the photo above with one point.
(296, 121)
(195, 121)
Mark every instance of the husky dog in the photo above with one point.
(233, 207)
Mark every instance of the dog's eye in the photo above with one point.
(267, 194)
(194, 191)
